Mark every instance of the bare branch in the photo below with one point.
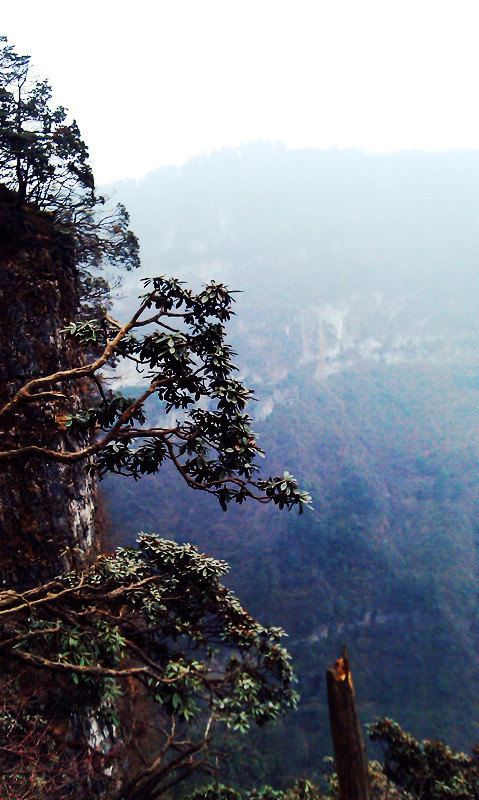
(76, 372)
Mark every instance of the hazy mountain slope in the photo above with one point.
(358, 327)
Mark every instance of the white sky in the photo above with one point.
(155, 82)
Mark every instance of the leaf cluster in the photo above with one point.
(425, 770)
(300, 790)
(158, 614)
(44, 159)
(190, 371)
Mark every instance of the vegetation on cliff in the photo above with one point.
(183, 637)
(118, 673)
(45, 161)
(156, 615)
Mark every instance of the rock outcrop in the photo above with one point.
(46, 509)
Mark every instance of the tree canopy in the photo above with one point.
(188, 369)
(153, 623)
(44, 159)
(157, 615)
(428, 769)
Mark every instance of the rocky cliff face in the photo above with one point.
(46, 510)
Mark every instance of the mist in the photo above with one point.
(158, 83)
(322, 160)
(357, 327)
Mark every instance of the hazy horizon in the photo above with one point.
(157, 85)
(252, 143)
(347, 226)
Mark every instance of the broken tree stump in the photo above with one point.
(349, 748)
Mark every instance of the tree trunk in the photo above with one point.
(349, 748)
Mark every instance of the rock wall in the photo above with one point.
(46, 510)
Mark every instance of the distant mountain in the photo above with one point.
(358, 326)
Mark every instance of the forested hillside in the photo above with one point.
(358, 329)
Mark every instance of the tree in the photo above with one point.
(350, 752)
(159, 616)
(153, 623)
(45, 161)
(188, 369)
(427, 770)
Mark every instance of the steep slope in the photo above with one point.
(358, 327)
(46, 510)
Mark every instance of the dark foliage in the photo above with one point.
(300, 790)
(426, 770)
(46, 162)
(188, 368)
(159, 616)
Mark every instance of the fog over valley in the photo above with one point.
(239, 400)
(357, 326)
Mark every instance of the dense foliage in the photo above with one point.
(300, 790)
(46, 162)
(159, 616)
(380, 787)
(188, 368)
(412, 770)
(426, 770)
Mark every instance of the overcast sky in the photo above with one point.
(153, 82)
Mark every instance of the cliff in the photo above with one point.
(46, 510)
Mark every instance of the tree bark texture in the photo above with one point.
(349, 748)
(46, 510)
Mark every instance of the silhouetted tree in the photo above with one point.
(187, 366)
(46, 162)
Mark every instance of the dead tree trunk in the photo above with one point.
(349, 748)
